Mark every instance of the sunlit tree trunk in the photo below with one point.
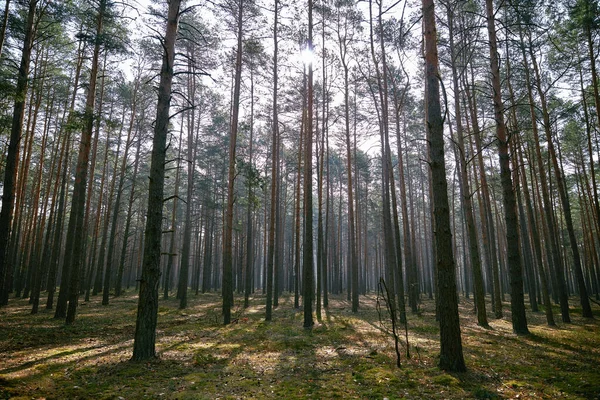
(307, 242)
(451, 355)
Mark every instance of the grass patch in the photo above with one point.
(345, 356)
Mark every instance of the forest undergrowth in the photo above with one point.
(344, 356)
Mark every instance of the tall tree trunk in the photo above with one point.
(465, 189)
(145, 328)
(249, 211)
(91, 187)
(307, 252)
(4, 24)
(564, 198)
(297, 201)
(274, 180)
(103, 198)
(351, 219)
(588, 129)
(172, 244)
(409, 258)
(128, 218)
(69, 288)
(558, 268)
(517, 301)
(10, 167)
(227, 285)
(115, 215)
(595, 79)
(392, 272)
(41, 242)
(536, 241)
(451, 355)
(187, 231)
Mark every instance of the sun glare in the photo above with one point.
(307, 56)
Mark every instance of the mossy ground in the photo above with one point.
(344, 356)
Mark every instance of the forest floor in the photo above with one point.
(344, 356)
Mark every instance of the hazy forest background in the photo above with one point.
(339, 199)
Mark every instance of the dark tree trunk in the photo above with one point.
(250, 210)
(4, 24)
(145, 329)
(451, 355)
(274, 186)
(10, 167)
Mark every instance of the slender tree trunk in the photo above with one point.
(10, 167)
(227, 285)
(465, 188)
(321, 259)
(145, 329)
(409, 258)
(172, 254)
(560, 287)
(42, 243)
(519, 320)
(307, 252)
(90, 191)
(128, 218)
(115, 215)
(4, 24)
(391, 257)
(326, 239)
(564, 198)
(536, 243)
(187, 231)
(298, 202)
(69, 289)
(249, 219)
(274, 164)
(351, 219)
(102, 198)
(451, 355)
(592, 57)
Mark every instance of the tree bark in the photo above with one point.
(145, 329)
(519, 320)
(307, 252)
(10, 167)
(451, 355)
(227, 286)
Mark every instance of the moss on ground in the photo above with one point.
(344, 356)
